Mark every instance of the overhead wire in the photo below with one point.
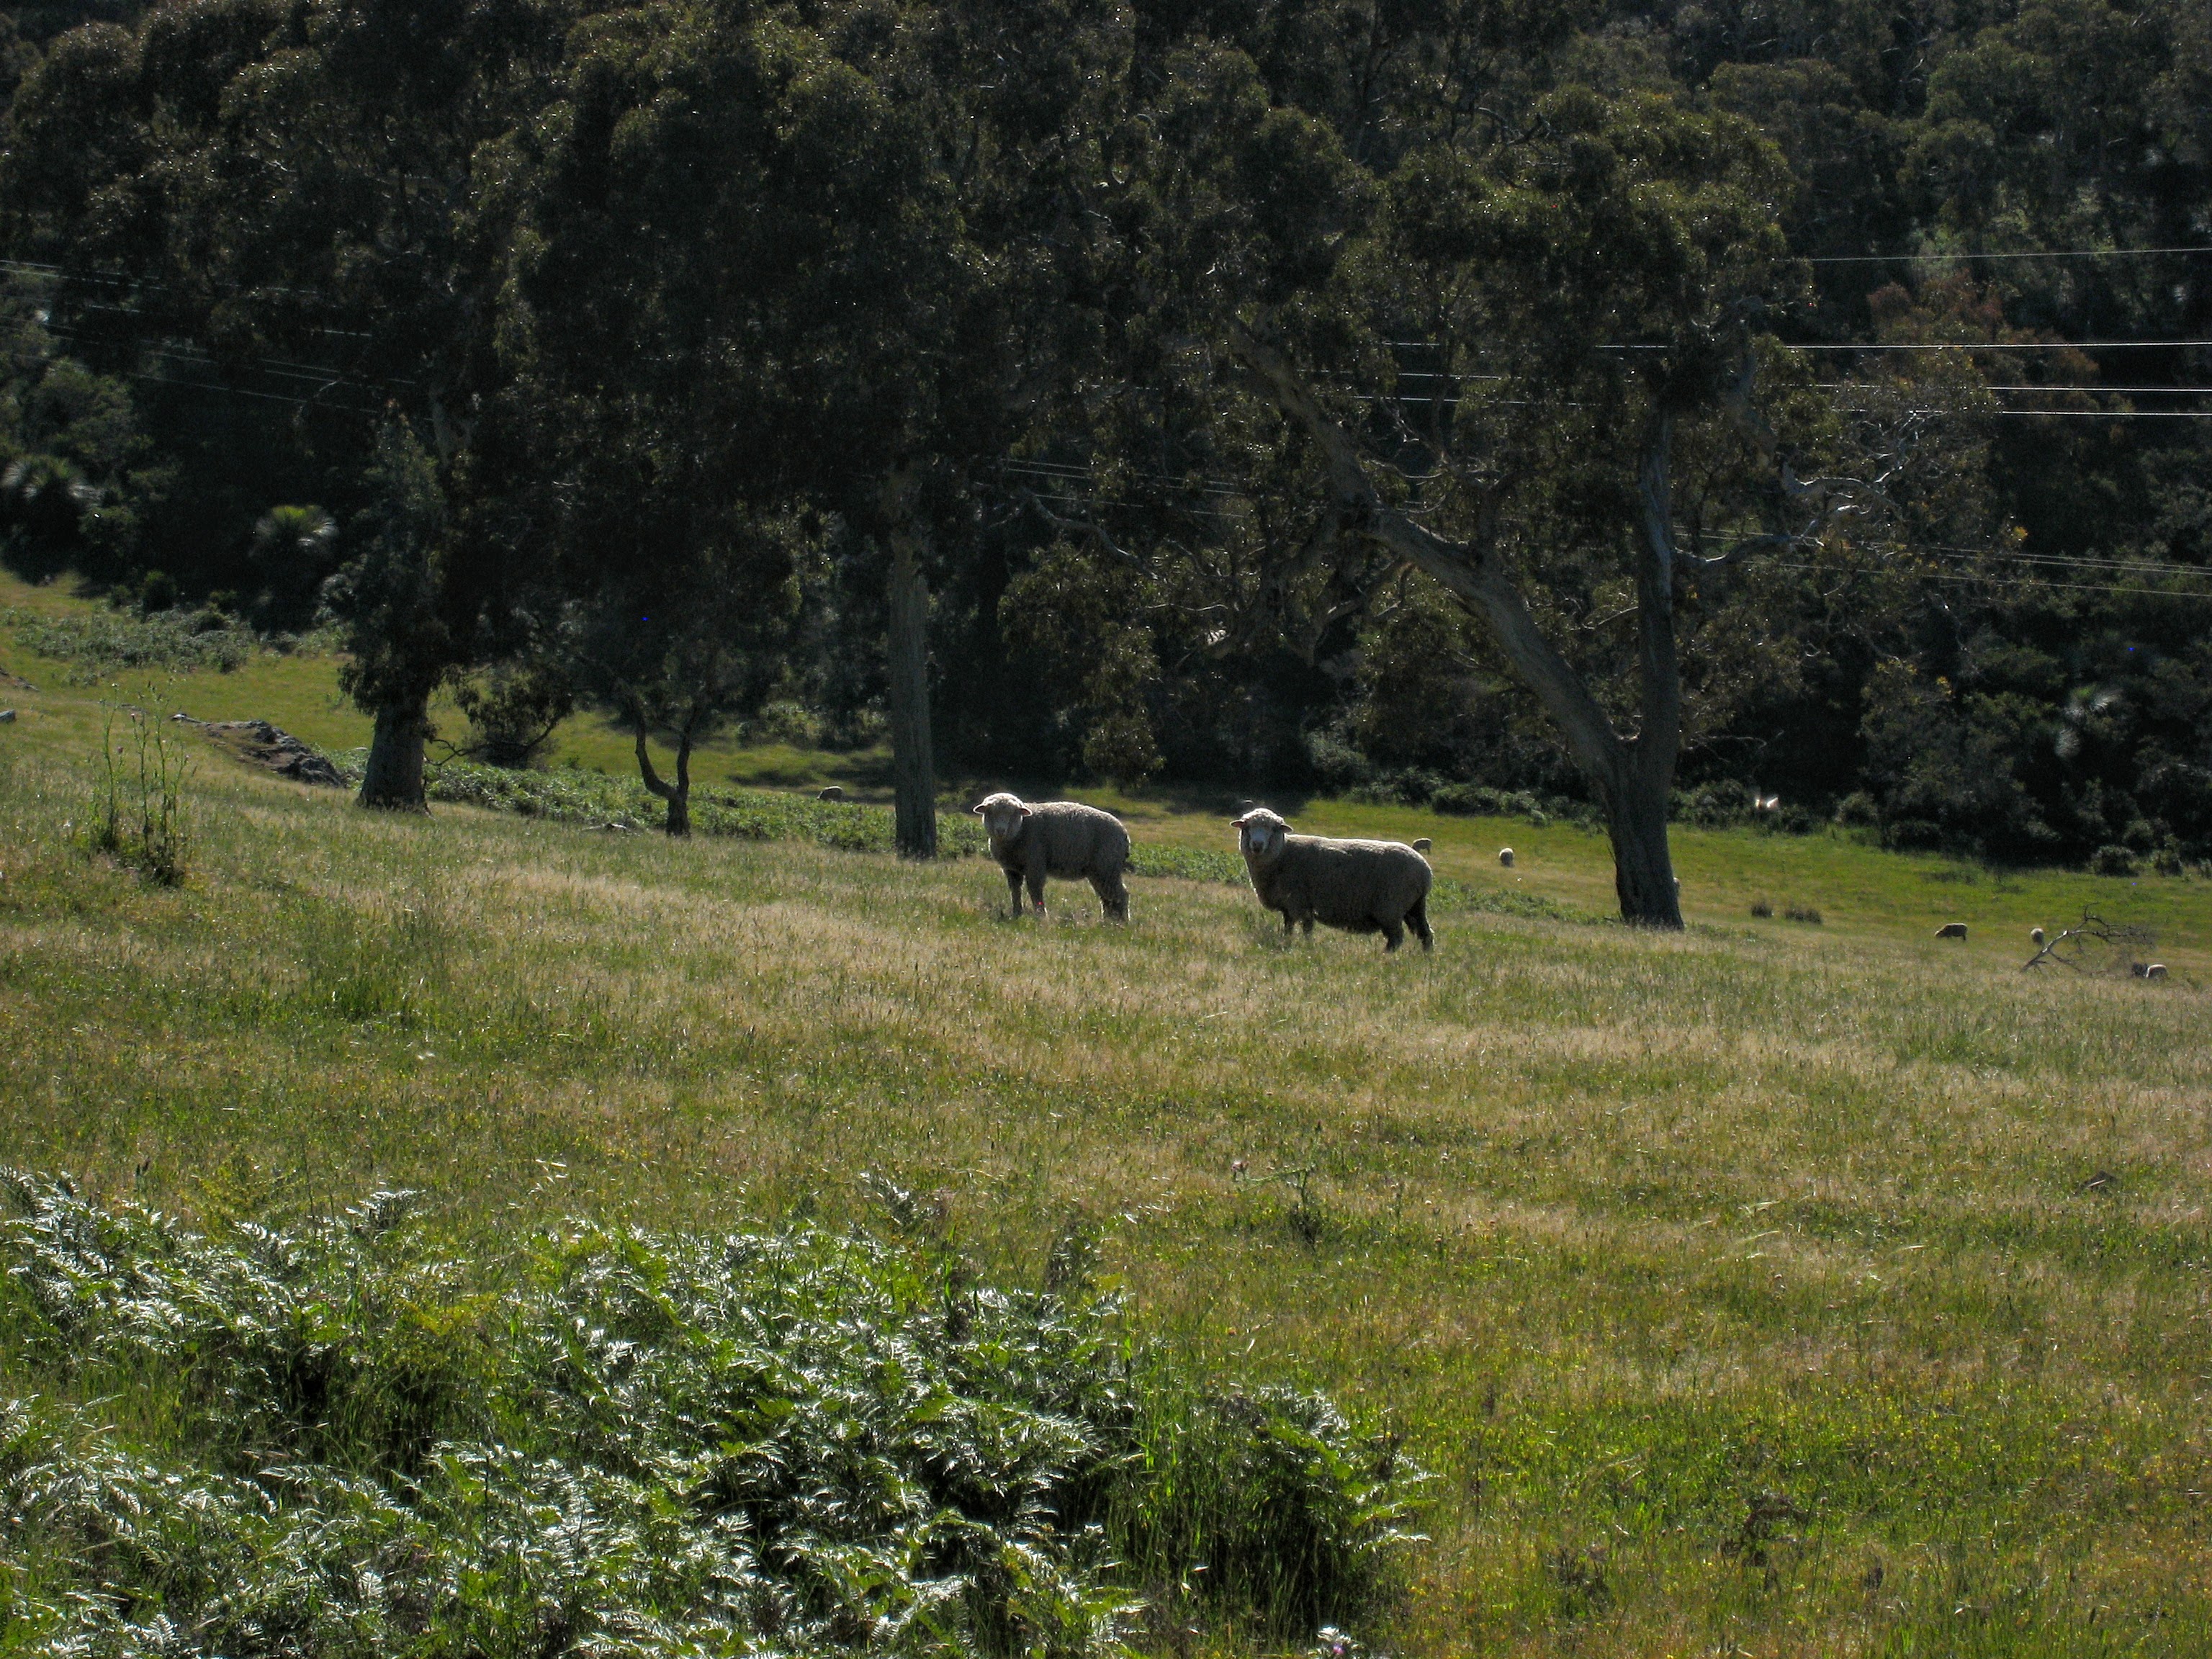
(1946, 259)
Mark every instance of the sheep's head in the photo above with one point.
(1260, 835)
(1002, 815)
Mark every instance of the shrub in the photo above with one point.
(1857, 811)
(1804, 912)
(2112, 860)
(96, 644)
(619, 1440)
(1761, 907)
(785, 722)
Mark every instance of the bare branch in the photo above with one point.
(1085, 528)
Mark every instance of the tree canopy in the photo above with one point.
(1647, 410)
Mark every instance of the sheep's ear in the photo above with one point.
(1236, 824)
(977, 809)
(1026, 811)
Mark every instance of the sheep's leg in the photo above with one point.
(1306, 922)
(1014, 893)
(1394, 935)
(1113, 895)
(1289, 922)
(1418, 919)
(1037, 888)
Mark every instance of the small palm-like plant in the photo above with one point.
(293, 532)
(294, 548)
(2079, 720)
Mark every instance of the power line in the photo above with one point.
(2102, 414)
(1945, 258)
(1976, 345)
(2017, 583)
(2107, 391)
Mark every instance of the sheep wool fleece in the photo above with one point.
(1063, 840)
(1360, 886)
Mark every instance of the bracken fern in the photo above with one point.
(621, 1442)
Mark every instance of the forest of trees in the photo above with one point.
(1650, 406)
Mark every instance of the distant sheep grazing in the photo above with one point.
(1063, 839)
(831, 793)
(1361, 886)
(1951, 930)
(1505, 857)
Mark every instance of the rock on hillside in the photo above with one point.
(259, 743)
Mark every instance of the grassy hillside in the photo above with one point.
(1773, 1289)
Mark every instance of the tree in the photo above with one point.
(798, 270)
(391, 594)
(677, 648)
(303, 204)
(1553, 323)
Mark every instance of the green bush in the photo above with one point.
(614, 1441)
(97, 644)
(2112, 860)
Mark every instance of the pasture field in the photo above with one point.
(1773, 1288)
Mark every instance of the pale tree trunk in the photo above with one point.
(914, 766)
(679, 793)
(1632, 777)
(393, 779)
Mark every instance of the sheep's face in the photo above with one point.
(1260, 835)
(1002, 815)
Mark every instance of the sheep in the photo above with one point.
(2035, 936)
(1951, 930)
(1361, 886)
(1505, 857)
(1423, 844)
(1059, 838)
(830, 791)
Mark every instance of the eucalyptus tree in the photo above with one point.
(1517, 359)
(801, 266)
(303, 204)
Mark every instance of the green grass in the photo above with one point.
(1749, 1290)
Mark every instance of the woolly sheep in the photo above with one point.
(1361, 886)
(1505, 857)
(831, 793)
(2035, 936)
(1951, 930)
(1059, 838)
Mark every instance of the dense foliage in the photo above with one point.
(614, 1441)
(613, 353)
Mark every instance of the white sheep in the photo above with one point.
(1361, 886)
(1063, 839)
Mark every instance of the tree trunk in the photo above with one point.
(913, 767)
(1643, 863)
(393, 781)
(677, 794)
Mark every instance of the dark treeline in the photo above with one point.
(1419, 396)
